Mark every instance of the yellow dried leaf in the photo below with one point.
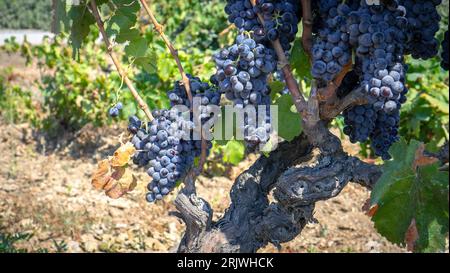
(123, 155)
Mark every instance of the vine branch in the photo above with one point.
(307, 23)
(292, 85)
(142, 104)
(159, 28)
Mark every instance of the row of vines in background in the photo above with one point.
(25, 14)
(76, 94)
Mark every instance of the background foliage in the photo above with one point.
(25, 14)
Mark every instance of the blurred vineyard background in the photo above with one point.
(54, 129)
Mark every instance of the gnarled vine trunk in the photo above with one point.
(297, 174)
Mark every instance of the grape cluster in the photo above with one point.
(115, 110)
(378, 34)
(360, 122)
(385, 133)
(331, 50)
(165, 145)
(422, 25)
(280, 19)
(242, 71)
(242, 74)
(205, 94)
(444, 54)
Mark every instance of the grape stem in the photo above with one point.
(307, 23)
(142, 104)
(333, 108)
(292, 85)
(159, 28)
(327, 95)
(226, 30)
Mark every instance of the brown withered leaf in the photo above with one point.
(100, 178)
(115, 181)
(122, 182)
(411, 235)
(421, 159)
(123, 155)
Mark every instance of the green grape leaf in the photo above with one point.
(411, 200)
(289, 127)
(137, 48)
(62, 21)
(82, 20)
(299, 60)
(276, 87)
(118, 23)
(233, 152)
(147, 62)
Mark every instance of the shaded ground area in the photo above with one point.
(49, 195)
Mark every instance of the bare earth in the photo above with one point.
(49, 194)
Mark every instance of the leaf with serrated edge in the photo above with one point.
(407, 191)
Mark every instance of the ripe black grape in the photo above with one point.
(115, 110)
(422, 24)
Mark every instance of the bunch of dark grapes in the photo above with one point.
(422, 25)
(360, 122)
(205, 94)
(115, 110)
(242, 15)
(242, 71)
(165, 145)
(385, 133)
(378, 34)
(444, 54)
(242, 74)
(331, 50)
(281, 18)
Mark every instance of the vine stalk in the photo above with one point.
(159, 28)
(307, 23)
(292, 85)
(142, 104)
